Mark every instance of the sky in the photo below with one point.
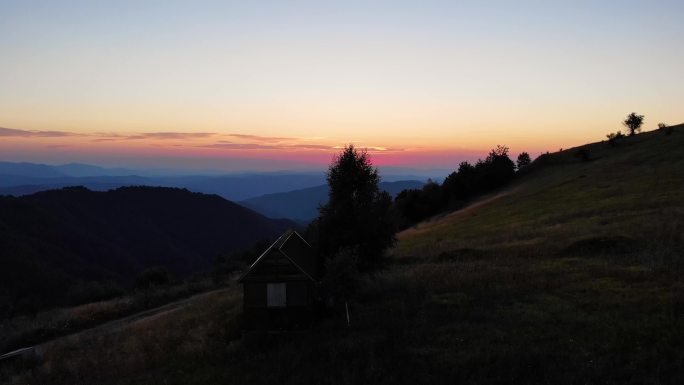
(265, 85)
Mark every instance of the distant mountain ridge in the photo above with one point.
(52, 241)
(302, 205)
(27, 178)
(38, 170)
(29, 170)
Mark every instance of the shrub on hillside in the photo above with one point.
(664, 127)
(342, 276)
(613, 138)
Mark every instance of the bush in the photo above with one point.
(613, 138)
(342, 276)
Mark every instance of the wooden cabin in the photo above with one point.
(279, 287)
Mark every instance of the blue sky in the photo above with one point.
(423, 77)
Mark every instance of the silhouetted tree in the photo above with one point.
(662, 126)
(633, 123)
(523, 160)
(410, 206)
(465, 168)
(497, 169)
(357, 215)
(494, 171)
(461, 183)
(498, 151)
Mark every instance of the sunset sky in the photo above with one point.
(277, 85)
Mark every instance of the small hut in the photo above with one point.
(279, 287)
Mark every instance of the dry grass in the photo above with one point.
(636, 191)
(203, 326)
(493, 320)
(27, 330)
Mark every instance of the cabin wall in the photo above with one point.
(296, 315)
(299, 293)
(254, 294)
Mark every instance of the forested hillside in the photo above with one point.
(70, 245)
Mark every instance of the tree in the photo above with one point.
(498, 152)
(465, 168)
(357, 216)
(662, 126)
(523, 160)
(633, 123)
(497, 169)
(458, 188)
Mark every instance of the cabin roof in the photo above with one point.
(278, 245)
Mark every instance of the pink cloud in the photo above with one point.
(13, 132)
(259, 138)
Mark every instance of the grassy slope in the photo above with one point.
(501, 292)
(635, 190)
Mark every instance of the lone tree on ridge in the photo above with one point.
(633, 123)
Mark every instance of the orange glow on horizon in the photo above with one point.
(315, 152)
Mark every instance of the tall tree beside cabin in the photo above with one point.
(279, 287)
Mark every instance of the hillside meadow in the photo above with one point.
(572, 274)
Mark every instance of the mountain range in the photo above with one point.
(53, 241)
(27, 178)
(302, 205)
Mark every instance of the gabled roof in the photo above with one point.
(278, 245)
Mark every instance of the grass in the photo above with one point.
(634, 190)
(26, 330)
(571, 276)
(131, 349)
(562, 320)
